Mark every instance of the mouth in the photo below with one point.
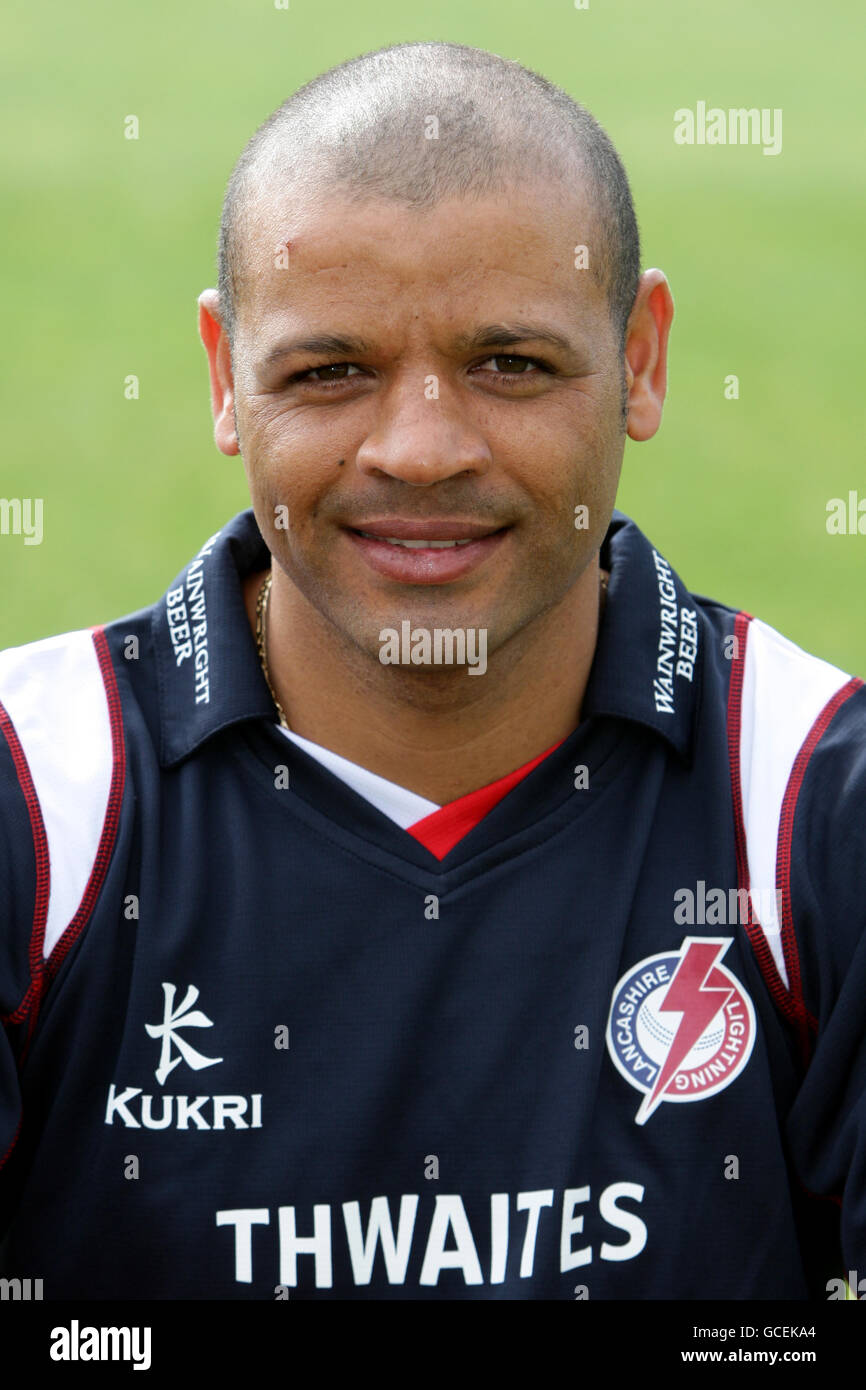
(425, 552)
(413, 545)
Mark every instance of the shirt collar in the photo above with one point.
(649, 654)
(209, 671)
(210, 676)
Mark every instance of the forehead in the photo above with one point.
(315, 249)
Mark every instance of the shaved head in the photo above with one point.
(417, 123)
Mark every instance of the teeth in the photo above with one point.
(417, 545)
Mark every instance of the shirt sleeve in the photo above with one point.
(22, 845)
(826, 1125)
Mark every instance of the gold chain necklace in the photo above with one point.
(262, 622)
(261, 641)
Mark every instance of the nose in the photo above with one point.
(422, 436)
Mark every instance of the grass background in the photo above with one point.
(109, 241)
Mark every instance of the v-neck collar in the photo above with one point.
(545, 799)
(437, 828)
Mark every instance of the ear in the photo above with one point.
(646, 354)
(222, 390)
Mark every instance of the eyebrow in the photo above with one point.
(490, 335)
(320, 343)
(507, 334)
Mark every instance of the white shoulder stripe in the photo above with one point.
(54, 694)
(784, 691)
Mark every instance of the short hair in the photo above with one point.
(359, 129)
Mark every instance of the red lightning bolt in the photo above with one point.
(688, 994)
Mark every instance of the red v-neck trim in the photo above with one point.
(443, 829)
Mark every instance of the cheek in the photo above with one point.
(571, 497)
(289, 474)
(276, 437)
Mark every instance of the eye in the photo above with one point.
(512, 366)
(332, 372)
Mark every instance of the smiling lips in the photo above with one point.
(415, 545)
(424, 552)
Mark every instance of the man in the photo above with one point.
(377, 911)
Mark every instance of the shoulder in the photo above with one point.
(61, 778)
(789, 713)
(797, 749)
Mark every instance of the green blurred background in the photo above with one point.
(109, 241)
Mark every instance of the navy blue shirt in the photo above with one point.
(259, 1040)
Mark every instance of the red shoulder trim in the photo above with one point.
(42, 972)
(43, 875)
(786, 829)
(33, 995)
(789, 1002)
(112, 813)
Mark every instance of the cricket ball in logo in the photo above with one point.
(681, 1026)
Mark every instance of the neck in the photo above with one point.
(439, 734)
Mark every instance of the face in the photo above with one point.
(426, 402)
